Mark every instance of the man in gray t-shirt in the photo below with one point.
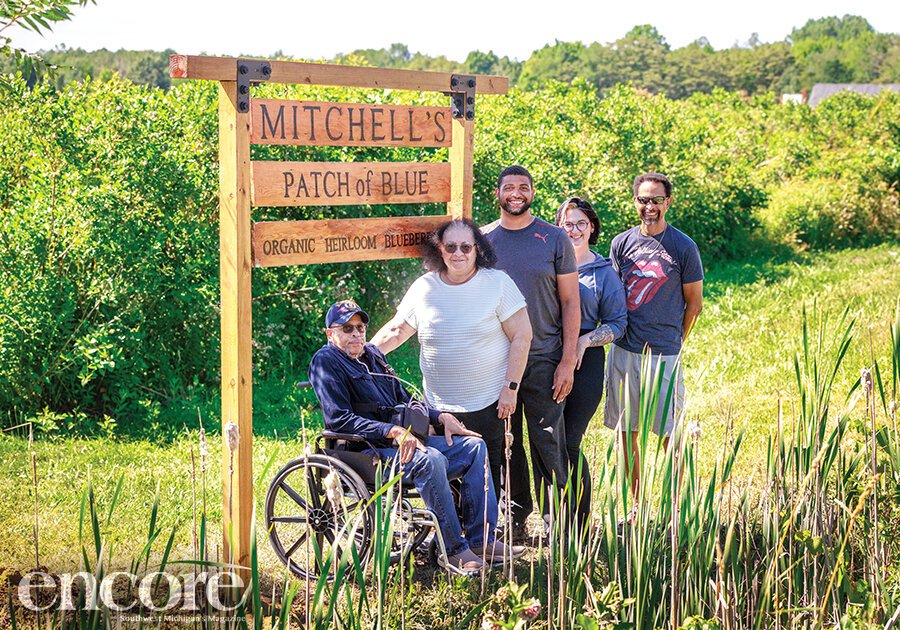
(663, 277)
(540, 259)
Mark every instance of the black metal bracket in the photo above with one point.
(250, 71)
(462, 96)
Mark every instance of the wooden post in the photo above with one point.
(235, 265)
(461, 168)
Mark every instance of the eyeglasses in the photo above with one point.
(451, 248)
(656, 201)
(349, 328)
(581, 226)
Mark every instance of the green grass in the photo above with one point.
(740, 360)
(738, 365)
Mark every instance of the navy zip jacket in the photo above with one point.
(342, 383)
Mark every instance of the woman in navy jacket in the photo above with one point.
(603, 319)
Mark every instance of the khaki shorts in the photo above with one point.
(624, 374)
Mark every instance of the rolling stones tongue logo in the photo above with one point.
(644, 280)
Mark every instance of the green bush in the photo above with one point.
(108, 206)
(826, 213)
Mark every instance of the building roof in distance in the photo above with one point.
(824, 90)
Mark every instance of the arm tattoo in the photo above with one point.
(600, 336)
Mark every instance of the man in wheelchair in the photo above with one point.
(360, 394)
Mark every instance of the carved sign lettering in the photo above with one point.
(347, 124)
(350, 183)
(277, 243)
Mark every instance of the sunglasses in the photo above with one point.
(451, 248)
(349, 328)
(581, 226)
(654, 200)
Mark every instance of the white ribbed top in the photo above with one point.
(464, 352)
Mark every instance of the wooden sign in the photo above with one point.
(278, 243)
(348, 125)
(348, 183)
(243, 184)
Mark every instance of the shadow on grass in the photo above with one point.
(767, 266)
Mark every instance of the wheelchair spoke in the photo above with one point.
(290, 519)
(295, 546)
(314, 483)
(329, 534)
(293, 494)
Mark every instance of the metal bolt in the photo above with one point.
(243, 89)
(243, 107)
(470, 115)
(470, 100)
(266, 70)
(471, 83)
(453, 82)
(243, 69)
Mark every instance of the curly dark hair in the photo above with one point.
(485, 258)
(585, 206)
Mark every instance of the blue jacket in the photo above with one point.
(602, 296)
(342, 383)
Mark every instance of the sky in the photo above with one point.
(322, 29)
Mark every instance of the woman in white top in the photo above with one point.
(473, 330)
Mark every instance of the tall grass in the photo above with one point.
(813, 543)
(699, 550)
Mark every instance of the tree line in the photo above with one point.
(827, 50)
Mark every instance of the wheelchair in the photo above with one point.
(320, 505)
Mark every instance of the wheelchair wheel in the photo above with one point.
(308, 530)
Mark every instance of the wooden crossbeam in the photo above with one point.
(305, 73)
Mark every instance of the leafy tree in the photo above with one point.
(562, 61)
(108, 206)
(840, 29)
(694, 68)
(640, 58)
(36, 16)
(150, 71)
(479, 62)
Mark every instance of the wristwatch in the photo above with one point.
(513, 386)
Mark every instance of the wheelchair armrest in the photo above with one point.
(332, 437)
(350, 437)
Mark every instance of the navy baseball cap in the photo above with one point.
(341, 312)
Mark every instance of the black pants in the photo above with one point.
(491, 428)
(546, 436)
(581, 404)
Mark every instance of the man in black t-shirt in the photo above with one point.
(540, 259)
(663, 276)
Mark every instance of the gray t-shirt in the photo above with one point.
(653, 268)
(533, 257)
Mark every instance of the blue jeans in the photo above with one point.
(430, 472)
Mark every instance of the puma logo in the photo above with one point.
(543, 237)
